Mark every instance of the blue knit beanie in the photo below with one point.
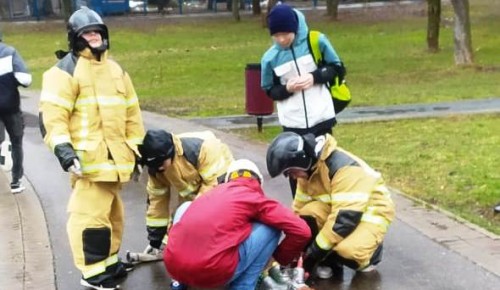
(282, 18)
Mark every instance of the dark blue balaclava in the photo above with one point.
(282, 18)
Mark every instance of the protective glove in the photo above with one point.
(76, 168)
(313, 255)
(136, 173)
(66, 156)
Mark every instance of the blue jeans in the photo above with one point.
(255, 252)
(14, 124)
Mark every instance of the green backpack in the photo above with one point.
(341, 94)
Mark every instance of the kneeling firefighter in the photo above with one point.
(345, 201)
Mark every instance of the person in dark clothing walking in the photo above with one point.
(13, 73)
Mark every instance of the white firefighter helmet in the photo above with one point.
(239, 166)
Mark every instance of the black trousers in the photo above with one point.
(14, 125)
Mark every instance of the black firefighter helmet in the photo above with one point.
(290, 151)
(85, 20)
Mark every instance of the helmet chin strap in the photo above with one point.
(97, 51)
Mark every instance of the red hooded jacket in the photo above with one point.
(202, 248)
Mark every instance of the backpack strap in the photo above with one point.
(313, 43)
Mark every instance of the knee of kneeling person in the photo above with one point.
(352, 252)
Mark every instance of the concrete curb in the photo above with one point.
(469, 240)
(28, 263)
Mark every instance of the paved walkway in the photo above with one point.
(28, 259)
(369, 114)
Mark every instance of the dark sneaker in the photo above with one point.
(93, 283)
(17, 187)
(496, 209)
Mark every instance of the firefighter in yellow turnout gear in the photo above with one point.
(190, 163)
(343, 199)
(91, 119)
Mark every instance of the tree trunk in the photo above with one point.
(433, 22)
(332, 8)
(66, 8)
(462, 33)
(271, 4)
(256, 7)
(236, 9)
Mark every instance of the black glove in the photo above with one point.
(313, 255)
(65, 154)
(136, 173)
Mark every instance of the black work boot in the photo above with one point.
(120, 269)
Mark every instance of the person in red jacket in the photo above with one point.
(227, 236)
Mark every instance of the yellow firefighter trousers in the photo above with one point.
(158, 212)
(160, 208)
(360, 245)
(95, 207)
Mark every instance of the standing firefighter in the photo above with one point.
(191, 163)
(91, 120)
(337, 193)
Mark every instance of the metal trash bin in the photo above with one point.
(257, 102)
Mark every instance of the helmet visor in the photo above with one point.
(90, 28)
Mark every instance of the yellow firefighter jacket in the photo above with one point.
(93, 105)
(354, 191)
(200, 160)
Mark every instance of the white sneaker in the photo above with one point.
(111, 285)
(149, 254)
(17, 187)
(368, 269)
(324, 272)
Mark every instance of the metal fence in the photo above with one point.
(38, 9)
(10, 9)
(21, 9)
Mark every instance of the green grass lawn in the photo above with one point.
(195, 66)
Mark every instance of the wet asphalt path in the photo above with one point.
(411, 261)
